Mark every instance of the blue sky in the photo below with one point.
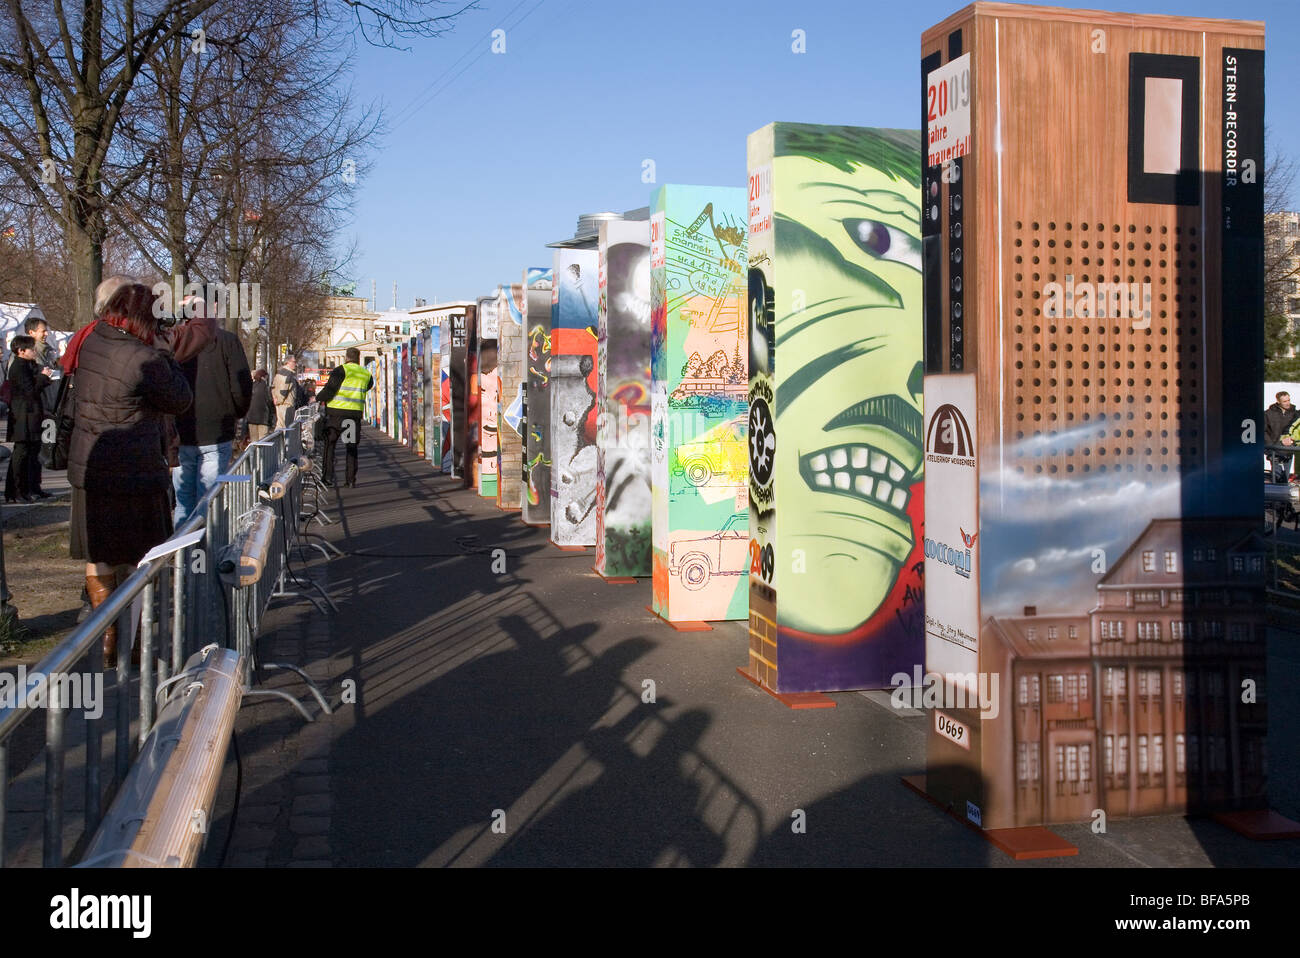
(491, 156)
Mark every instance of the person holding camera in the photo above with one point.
(27, 383)
(127, 383)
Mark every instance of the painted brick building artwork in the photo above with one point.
(699, 404)
(573, 397)
(513, 372)
(835, 353)
(623, 487)
(1135, 706)
(536, 479)
(1093, 346)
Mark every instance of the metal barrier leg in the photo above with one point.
(52, 840)
(94, 741)
(4, 792)
(282, 695)
(147, 673)
(311, 683)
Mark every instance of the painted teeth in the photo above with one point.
(864, 471)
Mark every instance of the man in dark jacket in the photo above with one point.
(261, 411)
(27, 382)
(1277, 423)
(223, 390)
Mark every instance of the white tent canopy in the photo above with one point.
(12, 318)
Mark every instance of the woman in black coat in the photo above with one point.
(260, 418)
(127, 383)
(27, 381)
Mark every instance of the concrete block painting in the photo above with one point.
(623, 486)
(573, 397)
(463, 343)
(489, 391)
(473, 401)
(432, 404)
(699, 394)
(536, 478)
(417, 394)
(513, 371)
(400, 384)
(444, 395)
(1094, 605)
(835, 464)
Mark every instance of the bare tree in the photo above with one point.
(69, 85)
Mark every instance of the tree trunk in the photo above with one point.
(86, 256)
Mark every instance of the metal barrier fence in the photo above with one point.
(183, 597)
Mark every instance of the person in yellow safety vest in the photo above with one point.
(344, 397)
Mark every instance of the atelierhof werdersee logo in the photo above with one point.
(948, 438)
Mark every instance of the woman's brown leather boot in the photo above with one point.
(99, 588)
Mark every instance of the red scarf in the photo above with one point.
(69, 358)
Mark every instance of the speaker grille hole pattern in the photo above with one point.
(1104, 394)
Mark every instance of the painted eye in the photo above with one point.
(885, 242)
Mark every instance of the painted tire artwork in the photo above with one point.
(536, 479)
(573, 398)
(699, 403)
(623, 489)
(835, 406)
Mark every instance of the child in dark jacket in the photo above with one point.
(27, 381)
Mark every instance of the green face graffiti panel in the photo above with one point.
(835, 418)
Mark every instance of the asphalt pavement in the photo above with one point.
(497, 703)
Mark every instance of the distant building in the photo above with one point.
(351, 322)
(1136, 706)
(1282, 265)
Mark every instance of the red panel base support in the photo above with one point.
(1262, 825)
(511, 508)
(793, 700)
(614, 579)
(569, 548)
(1022, 844)
(687, 626)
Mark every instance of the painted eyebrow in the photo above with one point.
(790, 390)
(900, 198)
